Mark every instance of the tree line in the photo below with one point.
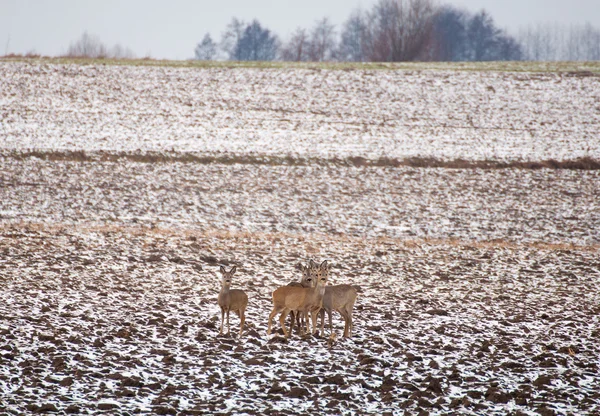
(390, 31)
(555, 42)
(90, 46)
(403, 30)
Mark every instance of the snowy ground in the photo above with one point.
(126, 318)
(480, 288)
(301, 112)
(518, 205)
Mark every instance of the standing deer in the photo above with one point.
(231, 299)
(308, 280)
(339, 298)
(299, 299)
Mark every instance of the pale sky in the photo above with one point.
(171, 29)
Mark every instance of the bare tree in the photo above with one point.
(398, 30)
(507, 48)
(583, 43)
(461, 36)
(319, 46)
(543, 42)
(88, 46)
(120, 52)
(591, 42)
(380, 31)
(322, 41)
(231, 37)
(450, 34)
(296, 49)
(530, 41)
(574, 45)
(205, 50)
(249, 42)
(552, 42)
(352, 38)
(482, 34)
(257, 44)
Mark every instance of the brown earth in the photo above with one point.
(109, 279)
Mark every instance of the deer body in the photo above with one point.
(231, 300)
(295, 299)
(339, 298)
(308, 280)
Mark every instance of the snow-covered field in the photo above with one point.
(125, 318)
(301, 112)
(480, 288)
(517, 205)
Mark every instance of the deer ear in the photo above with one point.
(324, 265)
(233, 269)
(222, 270)
(312, 264)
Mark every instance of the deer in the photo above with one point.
(338, 298)
(308, 280)
(231, 299)
(299, 299)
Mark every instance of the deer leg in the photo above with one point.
(228, 330)
(347, 314)
(313, 315)
(299, 320)
(293, 322)
(345, 317)
(222, 319)
(242, 314)
(350, 324)
(322, 316)
(329, 315)
(284, 315)
(349, 308)
(297, 317)
(271, 316)
(307, 318)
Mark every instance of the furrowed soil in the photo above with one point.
(109, 282)
(479, 288)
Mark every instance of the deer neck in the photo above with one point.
(318, 291)
(321, 291)
(224, 290)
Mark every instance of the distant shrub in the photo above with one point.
(30, 54)
(90, 46)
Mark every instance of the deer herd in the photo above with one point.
(304, 301)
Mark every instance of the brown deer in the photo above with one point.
(299, 299)
(338, 298)
(308, 280)
(231, 299)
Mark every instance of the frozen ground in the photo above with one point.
(300, 112)
(479, 287)
(109, 281)
(519, 205)
(125, 318)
